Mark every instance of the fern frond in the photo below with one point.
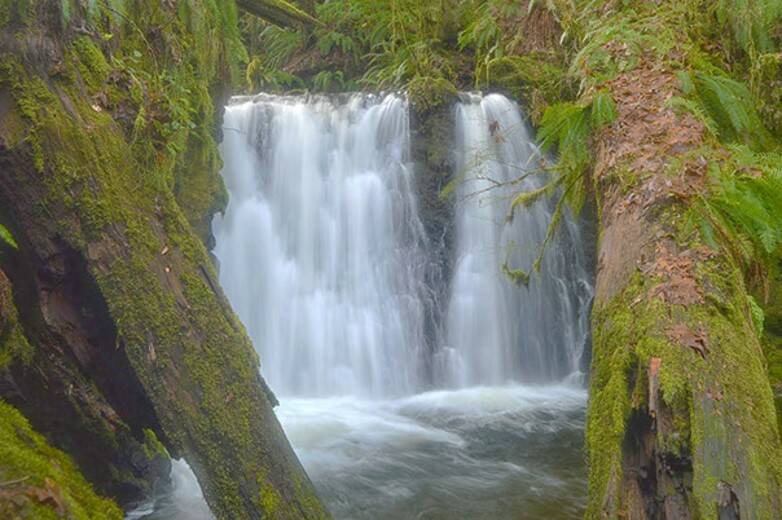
(602, 110)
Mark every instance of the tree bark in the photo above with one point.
(681, 421)
(280, 12)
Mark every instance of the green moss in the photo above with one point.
(772, 335)
(718, 402)
(426, 94)
(13, 342)
(31, 471)
(152, 446)
(270, 500)
(538, 79)
(90, 62)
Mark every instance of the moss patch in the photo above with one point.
(13, 343)
(40, 482)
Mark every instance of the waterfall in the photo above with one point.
(320, 247)
(402, 399)
(497, 332)
(323, 255)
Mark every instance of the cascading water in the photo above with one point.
(497, 332)
(323, 256)
(321, 247)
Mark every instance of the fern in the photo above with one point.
(279, 45)
(566, 127)
(329, 81)
(727, 108)
(336, 40)
(743, 208)
(755, 24)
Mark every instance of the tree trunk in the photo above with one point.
(681, 421)
(129, 332)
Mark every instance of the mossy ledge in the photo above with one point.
(105, 120)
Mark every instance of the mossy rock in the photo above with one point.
(427, 94)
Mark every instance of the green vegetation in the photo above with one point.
(7, 237)
(13, 343)
(39, 482)
(743, 209)
(380, 45)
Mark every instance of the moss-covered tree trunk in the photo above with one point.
(106, 132)
(681, 420)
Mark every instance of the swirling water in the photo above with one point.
(324, 257)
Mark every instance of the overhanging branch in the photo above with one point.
(278, 12)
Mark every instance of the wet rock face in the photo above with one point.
(432, 132)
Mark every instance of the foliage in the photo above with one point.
(279, 44)
(7, 238)
(755, 24)
(743, 209)
(483, 36)
(566, 127)
(727, 108)
(537, 79)
(397, 39)
(385, 44)
(270, 79)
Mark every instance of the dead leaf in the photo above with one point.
(683, 335)
(54, 497)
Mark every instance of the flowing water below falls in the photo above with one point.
(409, 389)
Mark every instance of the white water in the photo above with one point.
(477, 453)
(324, 258)
(183, 501)
(497, 332)
(320, 246)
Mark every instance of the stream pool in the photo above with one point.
(493, 453)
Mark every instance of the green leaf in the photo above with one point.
(7, 237)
